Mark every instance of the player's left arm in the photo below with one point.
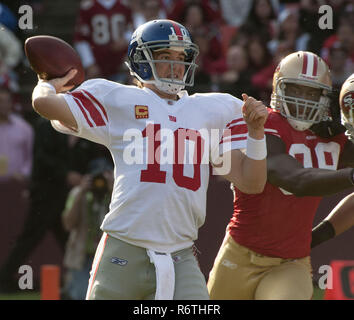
(249, 171)
(339, 220)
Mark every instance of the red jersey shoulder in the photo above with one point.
(339, 138)
(275, 124)
(278, 125)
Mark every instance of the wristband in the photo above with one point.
(37, 90)
(47, 85)
(256, 149)
(322, 232)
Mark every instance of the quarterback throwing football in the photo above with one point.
(158, 204)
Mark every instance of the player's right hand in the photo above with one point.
(255, 115)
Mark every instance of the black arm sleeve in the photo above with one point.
(322, 232)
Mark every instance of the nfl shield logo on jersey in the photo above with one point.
(141, 112)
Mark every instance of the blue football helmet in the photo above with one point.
(156, 35)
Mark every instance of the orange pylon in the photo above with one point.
(50, 282)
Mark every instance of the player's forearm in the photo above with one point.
(342, 216)
(313, 182)
(253, 167)
(42, 99)
(254, 175)
(256, 133)
(52, 106)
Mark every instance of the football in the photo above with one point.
(51, 57)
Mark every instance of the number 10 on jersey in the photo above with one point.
(153, 172)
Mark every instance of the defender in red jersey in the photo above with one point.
(266, 251)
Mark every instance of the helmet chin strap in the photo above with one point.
(299, 125)
(169, 88)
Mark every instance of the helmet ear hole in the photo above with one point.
(137, 57)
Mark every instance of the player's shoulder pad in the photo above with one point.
(222, 99)
(99, 84)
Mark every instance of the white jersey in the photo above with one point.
(161, 176)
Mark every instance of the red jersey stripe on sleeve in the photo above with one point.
(90, 107)
(233, 122)
(97, 102)
(272, 132)
(239, 129)
(78, 102)
(233, 138)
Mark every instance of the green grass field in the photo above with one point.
(33, 295)
(28, 295)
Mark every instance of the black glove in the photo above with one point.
(328, 129)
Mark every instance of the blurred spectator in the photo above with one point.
(58, 165)
(258, 53)
(211, 11)
(147, 10)
(309, 18)
(340, 64)
(16, 142)
(262, 17)
(202, 79)
(85, 209)
(211, 57)
(243, 35)
(344, 37)
(263, 80)
(236, 80)
(235, 12)
(102, 32)
(10, 56)
(289, 32)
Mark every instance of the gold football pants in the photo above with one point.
(242, 274)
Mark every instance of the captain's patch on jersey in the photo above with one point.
(141, 112)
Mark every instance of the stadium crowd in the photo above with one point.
(240, 42)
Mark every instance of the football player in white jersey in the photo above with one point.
(161, 140)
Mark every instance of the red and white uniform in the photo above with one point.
(156, 204)
(100, 24)
(276, 223)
